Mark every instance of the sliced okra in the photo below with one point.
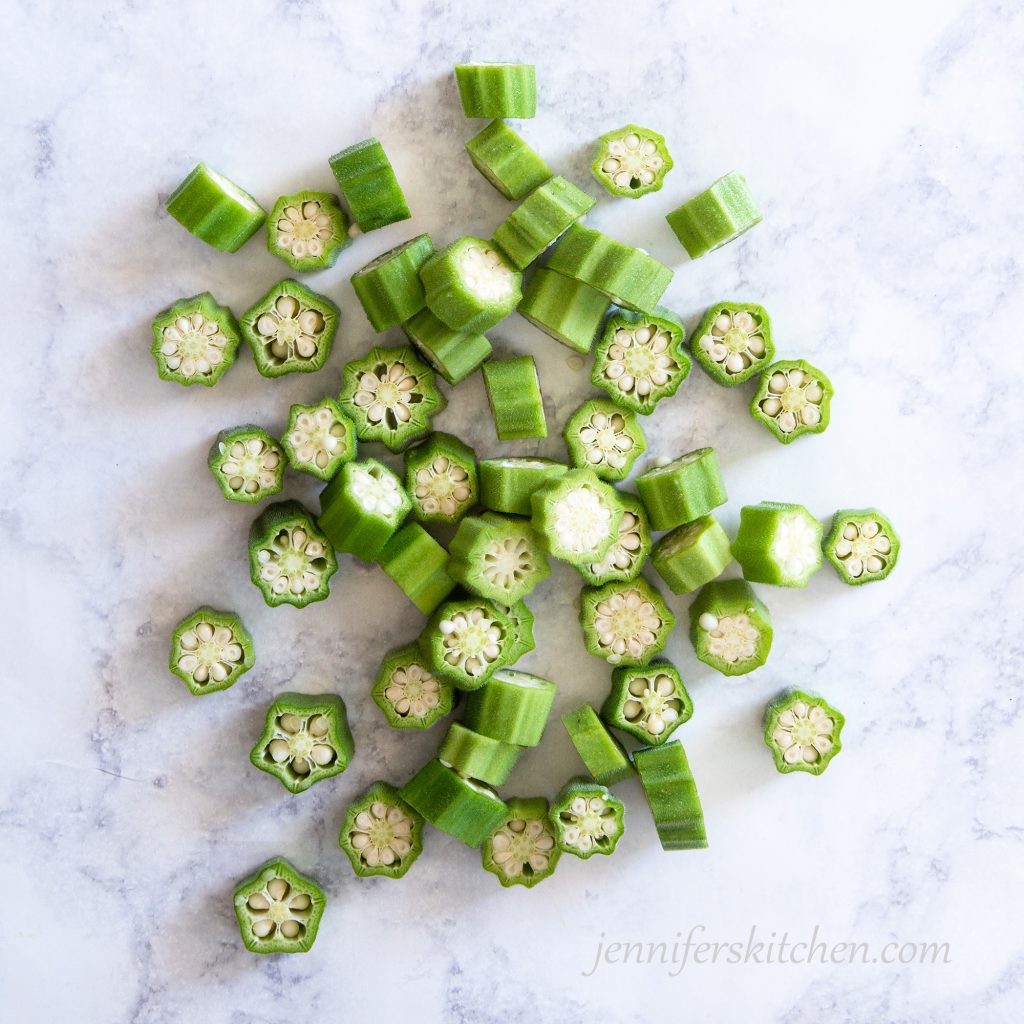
(628, 553)
(522, 850)
(692, 555)
(307, 230)
(441, 478)
(625, 623)
(507, 485)
(381, 834)
(247, 463)
(682, 490)
(389, 287)
(408, 692)
(210, 650)
(498, 557)
(215, 209)
(419, 565)
(587, 819)
(467, 641)
(513, 393)
(602, 754)
(305, 740)
(862, 545)
(802, 732)
(778, 543)
(521, 618)
(577, 516)
(717, 215)
(730, 627)
(506, 160)
(452, 354)
(362, 508)
(648, 703)
(569, 311)
(793, 398)
(602, 437)
(195, 341)
(319, 439)
(497, 89)
(278, 909)
(733, 342)
(672, 796)
(631, 161)
(478, 757)
(513, 707)
(368, 183)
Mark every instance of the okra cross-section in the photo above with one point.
(569, 311)
(793, 398)
(522, 849)
(215, 209)
(319, 439)
(577, 516)
(506, 160)
(452, 354)
(381, 834)
(862, 545)
(602, 437)
(672, 796)
(778, 543)
(478, 757)
(195, 341)
(441, 478)
(210, 650)
(625, 623)
(513, 707)
(307, 230)
(692, 555)
(628, 553)
(601, 753)
(722, 212)
(513, 393)
(409, 693)
(362, 508)
(419, 565)
(733, 342)
(648, 703)
(587, 819)
(247, 463)
(290, 560)
(802, 732)
(467, 641)
(389, 287)
(507, 485)
(631, 161)
(498, 557)
(367, 181)
(278, 909)
(682, 490)
(497, 89)
(730, 627)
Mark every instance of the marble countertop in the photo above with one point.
(885, 144)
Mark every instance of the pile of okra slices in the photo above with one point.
(512, 515)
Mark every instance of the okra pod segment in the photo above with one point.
(625, 623)
(521, 618)
(601, 753)
(522, 850)
(716, 216)
(802, 731)
(368, 183)
(730, 627)
(506, 160)
(602, 437)
(195, 341)
(498, 557)
(587, 819)
(692, 555)
(319, 439)
(247, 463)
(778, 543)
(497, 89)
(682, 490)
(215, 209)
(278, 909)
(381, 834)
(577, 516)
(419, 566)
(389, 287)
(210, 650)
(441, 478)
(452, 354)
(467, 641)
(307, 230)
(631, 161)
(649, 703)
(408, 692)
(733, 342)
(513, 707)
(507, 485)
(793, 398)
(862, 545)
(478, 757)
(513, 393)
(569, 311)
(628, 553)
(672, 796)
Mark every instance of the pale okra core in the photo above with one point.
(637, 361)
(486, 274)
(317, 436)
(520, 844)
(581, 518)
(589, 820)
(414, 691)
(300, 744)
(251, 465)
(389, 394)
(735, 341)
(626, 623)
(863, 548)
(211, 652)
(632, 161)
(277, 910)
(193, 345)
(293, 562)
(289, 330)
(794, 399)
(654, 702)
(804, 732)
(382, 834)
(732, 638)
(380, 494)
(304, 229)
(796, 544)
(471, 641)
(608, 440)
(442, 486)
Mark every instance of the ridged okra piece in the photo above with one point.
(506, 160)
(521, 618)
(389, 287)
(648, 703)
(733, 342)
(513, 393)
(247, 463)
(290, 330)
(210, 650)
(540, 219)
(195, 341)
(513, 707)
(419, 566)
(278, 909)
(692, 555)
(793, 398)
(441, 478)
(577, 517)
(682, 490)
(672, 796)
(471, 285)
(862, 545)
(307, 230)
(625, 623)
(305, 740)
(507, 485)
(631, 161)
(602, 437)
(802, 731)
(778, 543)
(408, 692)
(319, 439)
(290, 560)
(522, 850)
(716, 216)
(630, 549)
(587, 819)
(602, 754)
(478, 757)
(569, 311)
(362, 508)
(381, 834)
(215, 209)
(730, 627)
(498, 557)
(497, 89)
(466, 642)
(368, 183)
(452, 354)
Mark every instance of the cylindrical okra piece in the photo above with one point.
(569, 311)
(467, 642)
(628, 553)
(507, 485)
(631, 161)
(513, 393)
(278, 909)
(506, 160)
(498, 557)
(802, 732)
(778, 543)
(625, 623)
(577, 516)
(368, 183)
(672, 796)
(730, 627)
(419, 565)
(522, 850)
(389, 287)
(408, 692)
(307, 230)
(587, 819)
(718, 215)
(513, 707)
(682, 490)
(602, 437)
(478, 757)
(247, 463)
(210, 650)
(195, 341)
(692, 555)
(733, 342)
(793, 398)
(497, 89)
(441, 478)
(452, 354)
(601, 753)
(648, 703)
(862, 545)
(215, 209)
(381, 834)
(319, 439)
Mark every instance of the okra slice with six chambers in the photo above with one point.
(452, 354)
(733, 342)
(793, 398)
(577, 516)
(247, 463)
(441, 478)
(672, 796)
(692, 555)
(513, 393)
(625, 623)
(506, 160)
(215, 209)
(290, 560)
(569, 311)
(319, 439)
(381, 834)
(802, 732)
(602, 437)
(730, 627)
(862, 545)
(368, 183)
(210, 650)
(778, 543)
(601, 753)
(466, 642)
(513, 707)
(631, 161)
(682, 490)
(389, 287)
(496, 89)
(362, 508)
(278, 909)
(722, 212)
(507, 485)
(497, 557)
(522, 849)
(195, 341)
(587, 819)
(649, 703)
(408, 692)
(307, 230)
(419, 565)
(478, 757)
(628, 553)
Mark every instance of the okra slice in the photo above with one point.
(569, 311)
(278, 909)
(648, 703)
(692, 555)
(471, 285)
(640, 359)
(602, 754)
(305, 740)
(513, 393)
(195, 341)
(497, 89)
(498, 557)
(290, 560)
(793, 398)
(802, 731)
(478, 757)
(441, 478)
(307, 230)
(778, 543)
(452, 354)
(507, 485)
(631, 161)
(506, 160)
(368, 183)
(513, 707)
(628, 553)
(625, 623)
(730, 627)
(467, 641)
(408, 692)
(522, 850)
(602, 437)
(381, 834)
(210, 650)
(577, 516)
(628, 276)
(290, 330)
(419, 565)
(319, 439)
(540, 219)
(389, 287)
(587, 819)
(362, 508)
(215, 209)
(733, 342)
(862, 545)
(522, 630)
(682, 490)
(716, 216)
(247, 463)
(672, 796)
(465, 809)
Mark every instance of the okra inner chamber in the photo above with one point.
(293, 562)
(279, 909)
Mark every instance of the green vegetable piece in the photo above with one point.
(802, 732)
(513, 393)
(513, 707)
(692, 555)
(290, 330)
(497, 89)
(452, 354)
(718, 215)
(381, 834)
(778, 543)
(454, 804)
(466, 642)
(507, 485)
(604, 756)
(587, 819)
(522, 630)
(408, 692)
(215, 209)
(307, 230)
(568, 311)
(733, 342)
(195, 341)
(628, 553)
(506, 160)
(577, 516)
(602, 437)
(389, 287)
(319, 439)
(862, 545)
(478, 757)
(247, 463)
(498, 557)
(672, 796)
(648, 703)
(522, 850)
(210, 650)
(441, 478)
(305, 740)
(419, 565)
(793, 398)
(631, 161)
(730, 627)
(682, 490)
(540, 219)
(290, 560)
(368, 183)
(625, 623)
(278, 909)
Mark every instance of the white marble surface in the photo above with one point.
(885, 141)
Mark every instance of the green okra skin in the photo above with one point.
(648, 703)
(215, 209)
(319, 439)
(419, 566)
(247, 463)
(305, 740)
(498, 557)
(602, 437)
(802, 731)
(793, 398)
(630, 549)
(730, 627)
(577, 516)
(464, 809)
(278, 909)
(521, 618)
(290, 330)
(368, 183)
(506, 160)
(682, 490)
(210, 650)
(719, 214)
(441, 478)
(568, 311)
(507, 485)
(733, 342)
(540, 219)
(522, 850)
(513, 393)
(602, 754)
(452, 354)
(625, 623)
(381, 834)
(862, 545)
(587, 819)
(672, 796)
(290, 559)
(195, 341)
(308, 230)
(692, 555)
(513, 707)
(408, 692)
(778, 543)
(497, 89)
(389, 287)
(466, 642)
(631, 161)
(478, 757)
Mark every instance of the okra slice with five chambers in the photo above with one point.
(408, 691)
(802, 732)
(419, 565)
(452, 354)
(513, 707)
(778, 543)
(381, 834)
(506, 160)
(602, 754)
(441, 478)
(368, 183)
(513, 393)
(507, 485)
(793, 398)
(497, 89)
(719, 214)
(319, 439)
(569, 311)
(195, 341)
(649, 703)
(247, 463)
(602, 437)
(522, 630)
(478, 757)
(682, 490)
(522, 850)
(305, 740)
(672, 796)
(577, 516)
(498, 557)
(733, 342)
(215, 209)
(210, 650)
(692, 555)
(307, 230)
(278, 909)
(625, 623)
(389, 287)
(730, 627)
(629, 551)
(631, 161)
(467, 641)
(362, 508)
(587, 819)
(862, 545)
